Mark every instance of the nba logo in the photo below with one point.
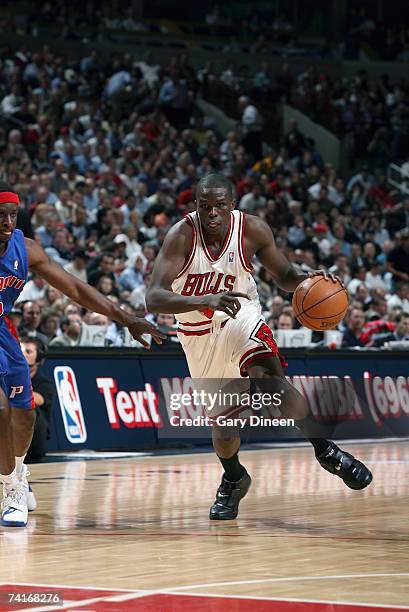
(231, 256)
(70, 404)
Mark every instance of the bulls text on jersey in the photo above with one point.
(208, 283)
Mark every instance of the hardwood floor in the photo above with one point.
(141, 524)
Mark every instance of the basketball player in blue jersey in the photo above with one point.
(17, 255)
(203, 276)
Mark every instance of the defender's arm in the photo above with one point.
(84, 294)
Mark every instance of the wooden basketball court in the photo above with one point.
(133, 534)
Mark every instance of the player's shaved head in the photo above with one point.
(214, 180)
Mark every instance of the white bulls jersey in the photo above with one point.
(217, 346)
(204, 274)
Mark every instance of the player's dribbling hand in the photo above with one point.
(327, 275)
(228, 302)
(137, 327)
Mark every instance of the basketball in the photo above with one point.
(319, 303)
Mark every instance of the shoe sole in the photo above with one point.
(13, 523)
(214, 517)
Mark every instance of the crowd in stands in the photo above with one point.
(369, 115)
(106, 156)
(385, 39)
(372, 32)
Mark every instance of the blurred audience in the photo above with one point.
(106, 156)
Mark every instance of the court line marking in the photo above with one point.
(289, 446)
(129, 594)
(217, 584)
(289, 579)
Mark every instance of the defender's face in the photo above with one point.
(214, 206)
(8, 221)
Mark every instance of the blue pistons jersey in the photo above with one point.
(13, 271)
(14, 371)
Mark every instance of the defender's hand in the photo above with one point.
(227, 302)
(137, 327)
(327, 275)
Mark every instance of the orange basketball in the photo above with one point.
(320, 303)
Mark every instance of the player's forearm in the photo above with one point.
(291, 279)
(167, 302)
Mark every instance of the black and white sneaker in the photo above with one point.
(228, 496)
(353, 472)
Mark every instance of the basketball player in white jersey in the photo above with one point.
(203, 276)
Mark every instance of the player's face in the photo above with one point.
(8, 221)
(214, 206)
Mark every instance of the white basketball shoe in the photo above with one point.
(22, 477)
(14, 511)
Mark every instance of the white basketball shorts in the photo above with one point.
(226, 350)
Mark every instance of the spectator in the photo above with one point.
(60, 250)
(31, 321)
(71, 331)
(251, 125)
(78, 266)
(363, 296)
(15, 316)
(402, 329)
(137, 296)
(294, 140)
(253, 200)
(167, 325)
(50, 325)
(378, 309)
(43, 394)
(132, 277)
(355, 324)
(104, 267)
(374, 279)
(106, 286)
(398, 258)
(400, 299)
(358, 279)
(285, 321)
(33, 290)
(46, 232)
(65, 205)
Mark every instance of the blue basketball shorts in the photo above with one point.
(14, 371)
